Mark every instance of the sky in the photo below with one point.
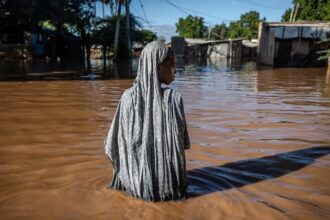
(160, 16)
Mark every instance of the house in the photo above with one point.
(202, 48)
(250, 48)
(17, 42)
(292, 43)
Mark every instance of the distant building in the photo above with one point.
(292, 44)
(230, 48)
(15, 42)
(250, 48)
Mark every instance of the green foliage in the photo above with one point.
(286, 15)
(310, 10)
(324, 54)
(247, 26)
(75, 16)
(219, 31)
(235, 29)
(191, 27)
(144, 36)
(104, 32)
(61, 15)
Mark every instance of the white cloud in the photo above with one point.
(164, 31)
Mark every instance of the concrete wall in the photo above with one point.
(230, 48)
(292, 44)
(266, 39)
(300, 47)
(218, 50)
(178, 45)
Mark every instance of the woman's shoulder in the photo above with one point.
(172, 94)
(126, 97)
(127, 92)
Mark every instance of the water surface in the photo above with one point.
(259, 146)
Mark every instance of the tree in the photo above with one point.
(104, 33)
(20, 12)
(76, 16)
(144, 36)
(247, 26)
(310, 10)
(191, 26)
(235, 29)
(115, 51)
(83, 16)
(219, 31)
(287, 14)
(324, 53)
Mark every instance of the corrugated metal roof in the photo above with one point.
(248, 43)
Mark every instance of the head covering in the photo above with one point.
(148, 135)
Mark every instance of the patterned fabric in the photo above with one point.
(148, 135)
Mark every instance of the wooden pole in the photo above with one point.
(296, 12)
(291, 14)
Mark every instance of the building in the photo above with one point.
(292, 43)
(15, 42)
(230, 48)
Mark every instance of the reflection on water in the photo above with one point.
(72, 69)
(260, 144)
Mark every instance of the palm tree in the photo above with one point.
(111, 6)
(103, 2)
(115, 46)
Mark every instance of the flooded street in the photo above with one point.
(260, 144)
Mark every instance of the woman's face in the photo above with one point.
(166, 70)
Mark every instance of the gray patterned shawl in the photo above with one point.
(148, 135)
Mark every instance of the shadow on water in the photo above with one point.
(206, 180)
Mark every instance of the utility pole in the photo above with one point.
(291, 14)
(296, 12)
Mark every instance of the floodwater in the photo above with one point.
(260, 144)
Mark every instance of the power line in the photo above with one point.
(139, 16)
(135, 9)
(262, 5)
(184, 10)
(144, 13)
(175, 6)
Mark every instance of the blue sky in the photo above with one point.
(161, 15)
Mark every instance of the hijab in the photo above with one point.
(148, 135)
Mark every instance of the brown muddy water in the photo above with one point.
(260, 144)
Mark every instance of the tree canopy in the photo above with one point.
(104, 32)
(219, 31)
(246, 26)
(309, 10)
(75, 16)
(191, 27)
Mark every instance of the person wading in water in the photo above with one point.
(148, 136)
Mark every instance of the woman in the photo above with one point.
(148, 134)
